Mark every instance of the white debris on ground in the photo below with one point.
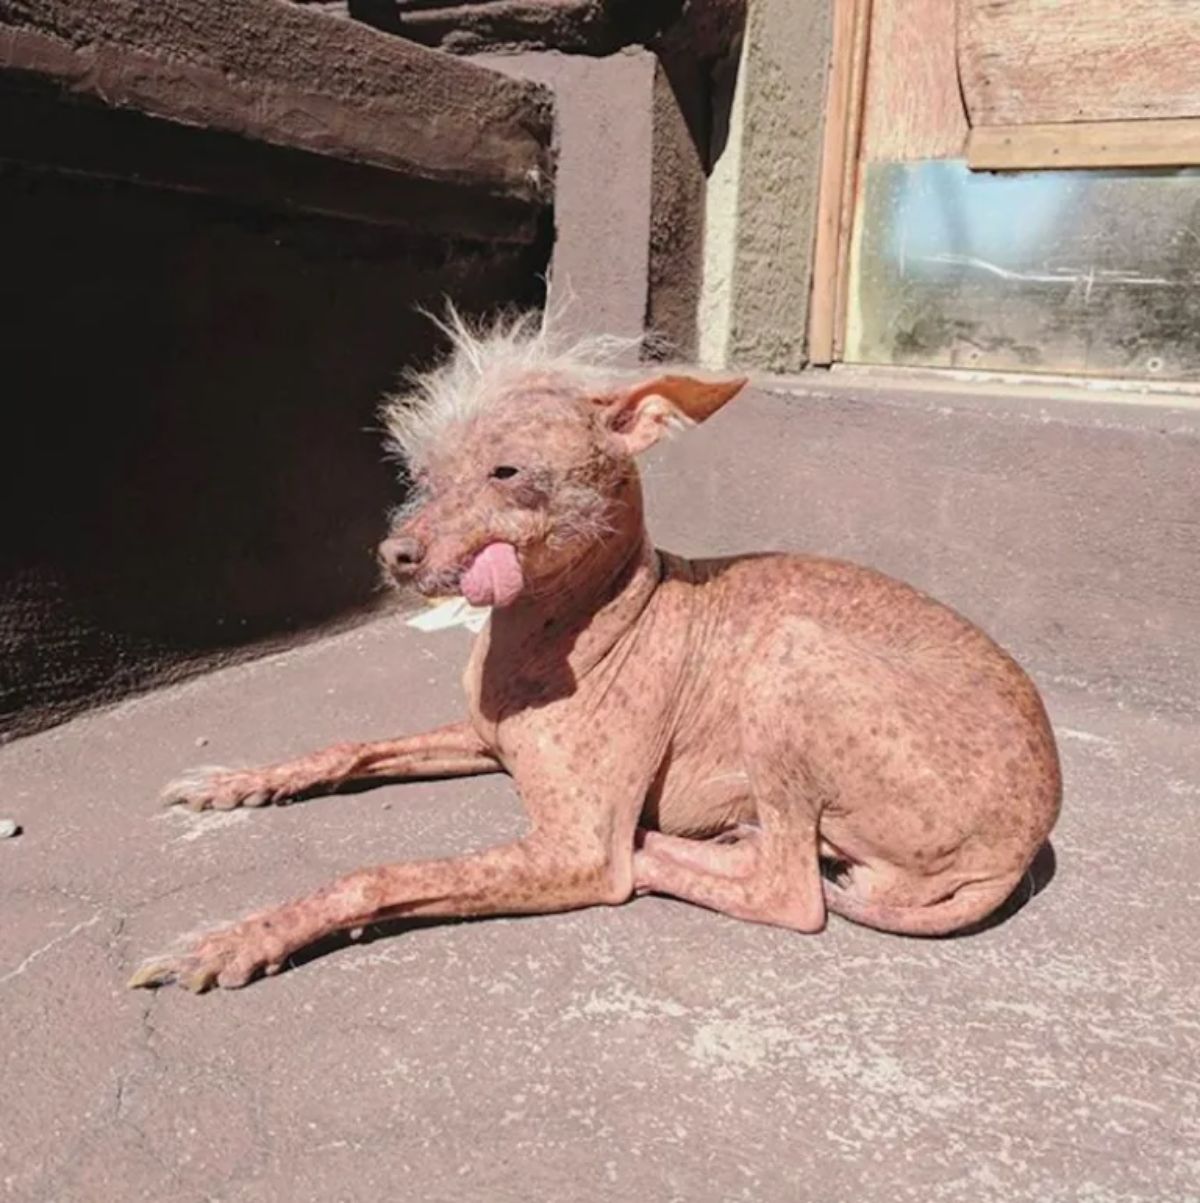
(9, 828)
(454, 612)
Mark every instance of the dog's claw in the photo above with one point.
(212, 787)
(198, 981)
(194, 789)
(158, 971)
(228, 957)
(163, 971)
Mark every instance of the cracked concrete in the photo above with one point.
(652, 1051)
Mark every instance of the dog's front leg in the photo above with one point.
(453, 751)
(553, 869)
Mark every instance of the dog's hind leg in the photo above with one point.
(756, 877)
(765, 874)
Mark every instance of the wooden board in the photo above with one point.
(1086, 144)
(913, 109)
(839, 153)
(850, 169)
(1025, 62)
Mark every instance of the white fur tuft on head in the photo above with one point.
(487, 363)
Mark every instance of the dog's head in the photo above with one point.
(520, 459)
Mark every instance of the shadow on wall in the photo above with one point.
(191, 463)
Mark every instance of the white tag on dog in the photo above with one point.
(454, 612)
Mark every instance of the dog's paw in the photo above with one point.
(211, 787)
(229, 957)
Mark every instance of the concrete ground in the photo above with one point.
(651, 1052)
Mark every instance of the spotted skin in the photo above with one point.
(770, 736)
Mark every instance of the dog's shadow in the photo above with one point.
(383, 929)
(1037, 877)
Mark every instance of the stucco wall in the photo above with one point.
(760, 209)
(686, 189)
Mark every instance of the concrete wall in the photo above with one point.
(602, 202)
(191, 466)
(686, 189)
(761, 200)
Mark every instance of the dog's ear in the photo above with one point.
(638, 417)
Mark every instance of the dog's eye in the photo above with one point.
(504, 472)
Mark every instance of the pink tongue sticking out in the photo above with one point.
(494, 576)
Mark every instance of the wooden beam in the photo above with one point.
(282, 78)
(84, 138)
(1076, 144)
(839, 159)
(851, 170)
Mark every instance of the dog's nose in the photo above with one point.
(400, 554)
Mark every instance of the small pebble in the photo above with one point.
(9, 828)
(202, 741)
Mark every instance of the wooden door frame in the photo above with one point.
(839, 179)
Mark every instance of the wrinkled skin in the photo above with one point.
(719, 731)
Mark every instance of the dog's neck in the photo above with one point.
(590, 616)
(577, 624)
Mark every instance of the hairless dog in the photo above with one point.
(772, 736)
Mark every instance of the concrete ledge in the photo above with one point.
(291, 80)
